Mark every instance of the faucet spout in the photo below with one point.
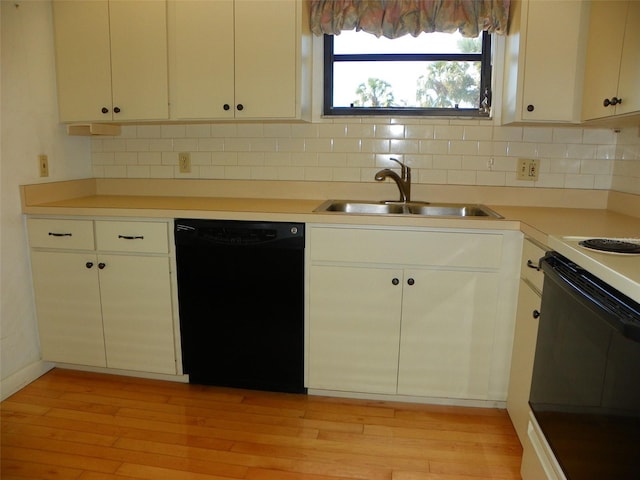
(403, 181)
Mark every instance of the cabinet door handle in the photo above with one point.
(395, 281)
(102, 265)
(55, 234)
(530, 108)
(536, 314)
(613, 102)
(89, 264)
(240, 107)
(411, 281)
(104, 110)
(116, 109)
(530, 264)
(131, 237)
(226, 106)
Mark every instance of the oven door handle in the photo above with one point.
(621, 312)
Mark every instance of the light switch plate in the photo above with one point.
(43, 165)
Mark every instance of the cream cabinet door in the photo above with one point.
(447, 333)
(544, 76)
(68, 305)
(111, 60)
(613, 59)
(139, 60)
(83, 60)
(524, 346)
(265, 56)
(629, 82)
(553, 70)
(234, 58)
(201, 59)
(137, 313)
(354, 328)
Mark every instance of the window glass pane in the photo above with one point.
(350, 42)
(437, 84)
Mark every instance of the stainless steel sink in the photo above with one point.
(426, 209)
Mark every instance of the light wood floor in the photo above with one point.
(78, 425)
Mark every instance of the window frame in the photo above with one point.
(329, 58)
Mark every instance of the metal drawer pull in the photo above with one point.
(54, 234)
(530, 264)
(131, 237)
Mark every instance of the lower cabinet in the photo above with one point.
(524, 338)
(355, 328)
(415, 313)
(448, 326)
(524, 347)
(104, 309)
(68, 305)
(137, 314)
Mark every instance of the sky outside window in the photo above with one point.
(402, 76)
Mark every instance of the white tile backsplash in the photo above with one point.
(465, 152)
(626, 169)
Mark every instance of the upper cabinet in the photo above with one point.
(612, 75)
(111, 60)
(242, 59)
(544, 62)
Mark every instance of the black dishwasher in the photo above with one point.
(241, 303)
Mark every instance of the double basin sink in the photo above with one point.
(425, 209)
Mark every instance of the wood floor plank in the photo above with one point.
(332, 456)
(103, 476)
(30, 430)
(14, 468)
(260, 474)
(114, 457)
(405, 475)
(433, 434)
(57, 459)
(154, 473)
(87, 426)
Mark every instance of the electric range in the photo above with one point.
(620, 270)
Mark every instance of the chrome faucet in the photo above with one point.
(403, 180)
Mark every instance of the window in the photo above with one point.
(436, 74)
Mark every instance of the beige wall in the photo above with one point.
(29, 127)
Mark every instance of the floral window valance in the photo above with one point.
(395, 18)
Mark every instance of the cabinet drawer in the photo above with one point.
(58, 233)
(142, 237)
(531, 254)
(452, 249)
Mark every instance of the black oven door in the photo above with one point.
(585, 391)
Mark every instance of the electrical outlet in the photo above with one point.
(184, 161)
(528, 169)
(43, 165)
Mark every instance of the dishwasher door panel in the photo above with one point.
(242, 315)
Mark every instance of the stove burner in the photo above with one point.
(611, 245)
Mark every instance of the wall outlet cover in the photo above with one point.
(527, 169)
(184, 162)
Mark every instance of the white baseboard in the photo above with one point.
(457, 402)
(22, 378)
(126, 373)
